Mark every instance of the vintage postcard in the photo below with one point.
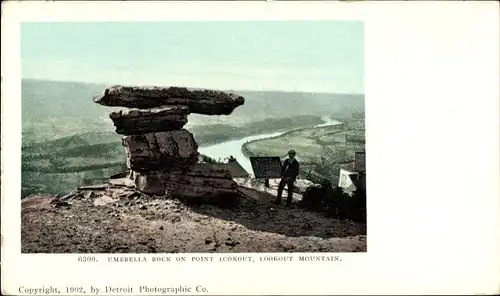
(132, 147)
(153, 139)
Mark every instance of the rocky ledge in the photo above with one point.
(161, 155)
(208, 102)
(143, 121)
(116, 218)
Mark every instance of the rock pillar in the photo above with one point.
(163, 156)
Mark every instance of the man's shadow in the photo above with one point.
(256, 212)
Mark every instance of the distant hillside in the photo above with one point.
(68, 140)
(44, 99)
(47, 100)
(264, 104)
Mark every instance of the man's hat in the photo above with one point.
(292, 152)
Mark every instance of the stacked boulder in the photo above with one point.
(163, 156)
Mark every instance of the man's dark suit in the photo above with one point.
(289, 173)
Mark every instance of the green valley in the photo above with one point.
(68, 141)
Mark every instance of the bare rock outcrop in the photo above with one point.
(162, 150)
(140, 121)
(163, 157)
(174, 180)
(209, 102)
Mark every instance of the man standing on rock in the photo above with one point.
(289, 173)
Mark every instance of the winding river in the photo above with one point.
(233, 147)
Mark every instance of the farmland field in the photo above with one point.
(321, 151)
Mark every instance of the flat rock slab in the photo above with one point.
(125, 182)
(143, 121)
(217, 187)
(271, 191)
(161, 183)
(209, 170)
(104, 200)
(208, 102)
(161, 151)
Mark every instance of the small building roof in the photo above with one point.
(237, 171)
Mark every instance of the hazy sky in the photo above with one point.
(305, 56)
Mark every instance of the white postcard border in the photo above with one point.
(435, 51)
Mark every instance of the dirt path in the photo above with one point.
(99, 222)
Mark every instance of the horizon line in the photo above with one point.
(191, 87)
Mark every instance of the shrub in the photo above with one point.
(334, 202)
(337, 204)
(312, 198)
(208, 159)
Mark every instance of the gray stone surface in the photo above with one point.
(161, 151)
(207, 102)
(163, 157)
(211, 186)
(143, 121)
